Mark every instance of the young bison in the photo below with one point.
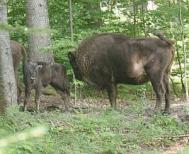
(38, 75)
(18, 54)
(105, 60)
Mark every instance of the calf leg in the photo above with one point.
(63, 89)
(65, 98)
(27, 97)
(37, 98)
(167, 95)
(112, 93)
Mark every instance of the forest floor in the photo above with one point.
(91, 126)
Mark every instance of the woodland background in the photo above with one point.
(136, 18)
(98, 129)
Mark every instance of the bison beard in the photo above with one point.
(105, 60)
(38, 75)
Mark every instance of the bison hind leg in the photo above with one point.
(167, 95)
(156, 78)
(112, 94)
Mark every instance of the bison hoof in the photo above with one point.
(166, 112)
(114, 107)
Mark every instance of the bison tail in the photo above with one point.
(161, 37)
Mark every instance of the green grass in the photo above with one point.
(106, 131)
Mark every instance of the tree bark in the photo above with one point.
(134, 19)
(184, 51)
(39, 36)
(71, 20)
(8, 92)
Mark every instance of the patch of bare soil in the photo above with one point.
(178, 146)
(179, 110)
(50, 100)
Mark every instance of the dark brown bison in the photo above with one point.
(18, 54)
(40, 74)
(105, 60)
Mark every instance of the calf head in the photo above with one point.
(33, 72)
(73, 62)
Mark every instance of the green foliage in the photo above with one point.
(61, 48)
(185, 151)
(107, 131)
(128, 17)
(103, 131)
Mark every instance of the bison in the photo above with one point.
(105, 60)
(41, 74)
(18, 54)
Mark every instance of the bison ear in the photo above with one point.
(71, 55)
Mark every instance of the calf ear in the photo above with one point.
(71, 55)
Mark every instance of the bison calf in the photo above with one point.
(105, 60)
(38, 75)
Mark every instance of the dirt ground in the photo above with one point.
(179, 110)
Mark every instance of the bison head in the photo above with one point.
(73, 62)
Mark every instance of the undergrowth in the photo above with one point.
(106, 131)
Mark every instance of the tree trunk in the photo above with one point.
(71, 20)
(8, 92)
(39, 38)
(184, 50)
(180, 69)
(93, 7)
(134, 19)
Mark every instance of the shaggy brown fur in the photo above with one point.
(106, 60)
(38, 75)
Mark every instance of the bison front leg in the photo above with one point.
(37, 98)
(112, 93)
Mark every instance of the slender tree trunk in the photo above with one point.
(71, 20)
(174, 88)
(2, 100)
(184, 50)
(143, 19)
(7, 79)
(134, 19)
(72, 39)
(95, 12)
(180, 68)
(38, 22)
